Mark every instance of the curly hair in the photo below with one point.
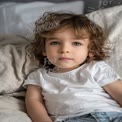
(49, 23)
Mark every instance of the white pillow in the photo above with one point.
(15, 63)
(23, 16)
(29, 15)
(30, 12)
(111, 21)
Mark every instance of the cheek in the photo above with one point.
(49, 50)
(51, 53)
(82, 54)
(52, 56)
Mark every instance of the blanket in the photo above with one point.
(12, 110)
(110, 20)
(15, 65)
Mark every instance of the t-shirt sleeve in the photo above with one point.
(104, 74)
(33, 79)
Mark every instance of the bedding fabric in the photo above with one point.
(110, 20)
(12, 110)
(19, 18)
(16, 64)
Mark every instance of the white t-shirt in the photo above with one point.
(76, 92)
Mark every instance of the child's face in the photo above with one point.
(64, 50)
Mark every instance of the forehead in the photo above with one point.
(79, 33)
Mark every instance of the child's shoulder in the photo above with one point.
(98, 64)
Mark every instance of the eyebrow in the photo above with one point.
(51, 38)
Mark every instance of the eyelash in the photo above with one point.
(77, 43)
(54, 43)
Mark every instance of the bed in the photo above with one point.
(16, 32)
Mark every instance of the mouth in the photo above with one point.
(65, 58)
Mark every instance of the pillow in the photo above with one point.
(15, 63)
(12, 110)
(20, 18)
(30, 12)
(111, 21)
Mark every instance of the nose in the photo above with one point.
(64, 49)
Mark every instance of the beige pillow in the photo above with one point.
(15, 63)
(111, 21)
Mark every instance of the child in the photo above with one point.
(73, 83)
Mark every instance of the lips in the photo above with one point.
(65, 58)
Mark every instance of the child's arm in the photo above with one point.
(35, 106)
(115, 90)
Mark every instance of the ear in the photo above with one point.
(44, 53)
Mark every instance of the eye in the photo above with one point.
(77, 43)
(54, 43)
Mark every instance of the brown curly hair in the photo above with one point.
(49, 23)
